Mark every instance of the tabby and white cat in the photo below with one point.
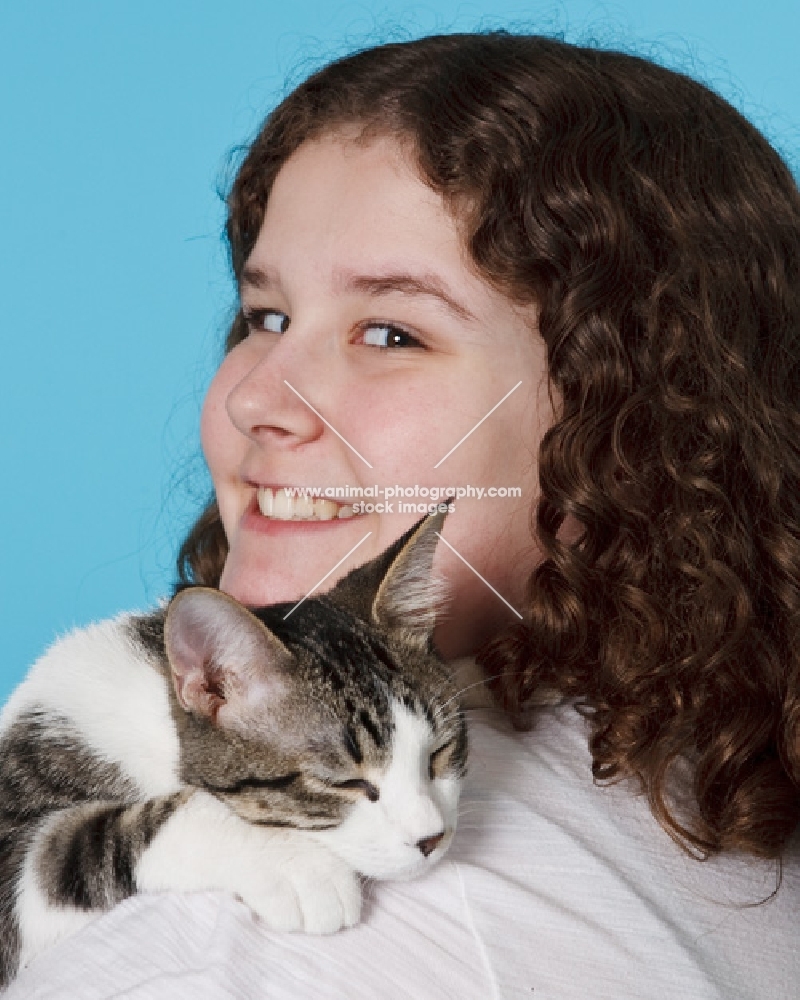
(267, 753)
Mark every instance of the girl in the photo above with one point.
(612, 253)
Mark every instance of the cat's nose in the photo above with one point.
(429, 844)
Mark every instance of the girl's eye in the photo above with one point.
(266, 320)
(387, 335)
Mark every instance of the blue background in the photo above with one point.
(117, 122)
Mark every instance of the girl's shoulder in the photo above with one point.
(555, 887)
(585, 871)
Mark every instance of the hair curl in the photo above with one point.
(659, 234)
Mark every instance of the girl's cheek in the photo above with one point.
(216, 427)
(210, 415)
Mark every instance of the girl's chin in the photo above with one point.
(257, 594)
(257, 585)
(275, 566)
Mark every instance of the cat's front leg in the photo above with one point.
(292, 882)
(80, 861)
(87, 858)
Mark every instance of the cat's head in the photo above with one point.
(335, 715)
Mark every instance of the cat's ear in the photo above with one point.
(397, 590)
(226, 665)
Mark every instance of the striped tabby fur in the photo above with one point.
(207, 746)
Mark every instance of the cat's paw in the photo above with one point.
(289, 879)
(312, 891)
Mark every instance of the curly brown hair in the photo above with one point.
(659, 235)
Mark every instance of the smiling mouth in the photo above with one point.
(278, 505)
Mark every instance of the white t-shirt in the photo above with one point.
(554, 889)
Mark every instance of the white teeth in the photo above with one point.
(265, 501)
(303, 506)
(280, 505)
(326, 510)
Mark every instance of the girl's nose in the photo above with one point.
(268, 404)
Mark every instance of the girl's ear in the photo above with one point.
(226, 665)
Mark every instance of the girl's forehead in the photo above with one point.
(337, 175)
(360, 212)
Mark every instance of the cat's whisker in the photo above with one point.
(296, 725)
(456, 695)
(483, 682)
(470, 809)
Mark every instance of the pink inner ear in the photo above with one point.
(198, 680)
(222, 657)
(203, 692)
(198, 683)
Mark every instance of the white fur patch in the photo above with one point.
(97, 679)
(292, 882)
(380, 839)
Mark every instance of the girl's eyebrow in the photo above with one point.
(427, 285)
(261, 278)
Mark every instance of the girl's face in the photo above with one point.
(373, 340)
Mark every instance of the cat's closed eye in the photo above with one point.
(360, 785)
(441, 760)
